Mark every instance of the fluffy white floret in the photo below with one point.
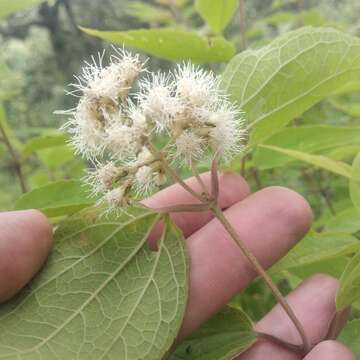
(195, 86)
(157, 100)
(189, 147)
(116, 198)
(102, 178)
(123, 141)
(111, 81)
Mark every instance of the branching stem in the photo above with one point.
(210, 203)
(260, 270)
(173, 173)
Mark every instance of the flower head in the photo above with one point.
(179, 119)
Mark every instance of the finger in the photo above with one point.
(314, 305)
(330, 350)
(233, 188)
(25, 240)
(270, 222)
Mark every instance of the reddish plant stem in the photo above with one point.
(260, 270)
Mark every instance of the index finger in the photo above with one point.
(232, 189)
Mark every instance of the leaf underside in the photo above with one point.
(102, 295)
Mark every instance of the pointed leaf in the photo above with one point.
(349, 290)
(308, 139)
(102, 295)
(216, 13)
(323, 162)
(315, 248)
(227, 334)
(276, 83)
(171, 44)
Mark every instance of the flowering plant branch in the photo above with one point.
(122, 131)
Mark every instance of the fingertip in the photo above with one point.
(330, 350)
(292, 208)
(43, 229)
(24, 245)
(325, 280)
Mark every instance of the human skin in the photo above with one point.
(270, 221)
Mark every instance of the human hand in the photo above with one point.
(269, 221)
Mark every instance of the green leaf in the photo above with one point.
(103, 293)
(333, 267)
(56, 156)
(42, 142)
(315, 248)
(344, 152)
(349, 290)
(276, 83)
(308, 139)
(171, 44)
(346, 221)
(227, 334)
(9, 7)
(56, 199)
(323, 162)
(354, 186)
(350, 336)
(351, 109)
(217, 13)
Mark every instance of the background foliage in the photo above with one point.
(299, 85)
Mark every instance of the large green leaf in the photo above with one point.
(280, 81)
(323, 162)
(315, 248)
(306, 139)
(102, 294)
(350, 336)
(56, 199)
(217, 13)
(355, 185)
(227, 334)
(9, 7)
(349, 290)
(171, 44)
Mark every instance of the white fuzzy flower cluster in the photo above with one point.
(121, 131)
